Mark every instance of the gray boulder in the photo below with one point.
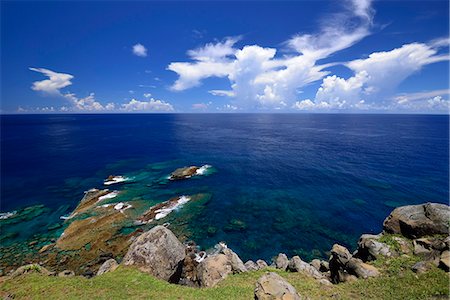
(237, 266)
(361, 270)
(157, 252)
(108, 266)
(281, 261)
(272, 286)
(261, 264)
(415, 221)
(251, 265)
(213, 269)
(296, 264)
(369, 248)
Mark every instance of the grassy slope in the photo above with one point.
(397, 282)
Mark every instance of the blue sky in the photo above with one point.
(295, 56)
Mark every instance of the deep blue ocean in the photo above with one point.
(297, 182)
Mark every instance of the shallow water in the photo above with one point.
(281, 182)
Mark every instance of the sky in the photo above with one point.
(352, 56)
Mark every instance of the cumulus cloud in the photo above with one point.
(88, 103)
(150, 106)
(53, 84)
(258, 77)
(139, 50)
(376, 78)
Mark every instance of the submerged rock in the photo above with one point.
(414, 221)
(89, 201)
(157, 252)
(108, 266)
(272, 286)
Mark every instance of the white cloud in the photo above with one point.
(53, 84)
(377, 77)
(151, 105)
(139, 50)
(257, 77)
(147, 95)
(201, 106)
(88, 103)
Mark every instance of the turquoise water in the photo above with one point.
(280, 183)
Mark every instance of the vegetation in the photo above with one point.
(397, 282)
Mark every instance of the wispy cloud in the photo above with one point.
(53, 84)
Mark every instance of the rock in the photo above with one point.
(356, 267)
(369, 248)
(31, 268)
(237, 266)
(315, 263)
(404, 245)
(162, 209)
(108, 266)
(183, 173)
(213, 269)
(296, 264)
(422, 267)
(444, 262)
(88, 273)
(281, 261)
(338, 261)
(66, 273)
(251, 265)
(157, 252)
(261, 264)
(422, 246)
(272, 286)
(46, 247)
(415, 221)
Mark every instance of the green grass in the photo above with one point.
(397, 282)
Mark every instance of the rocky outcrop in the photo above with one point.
(183, 173)
(162, 209)
(272, 286)
(296, 264)
(415, 221)
(444, 260)
(213, 270)
(157, 252)
(369, 248)
(108, 266)
(344, 267)
(281, 261)
(31, 268)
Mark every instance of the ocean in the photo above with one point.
(292, 183)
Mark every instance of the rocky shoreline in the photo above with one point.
(415, 230)
(101, 234)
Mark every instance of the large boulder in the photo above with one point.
(444, 261)
(237, 266)
(213, 269)
(272, 286)
(108, 266)
(338, 261)
(356, 267)
(157, 252)
(281, 261)
(414, 221)
(261, 264)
